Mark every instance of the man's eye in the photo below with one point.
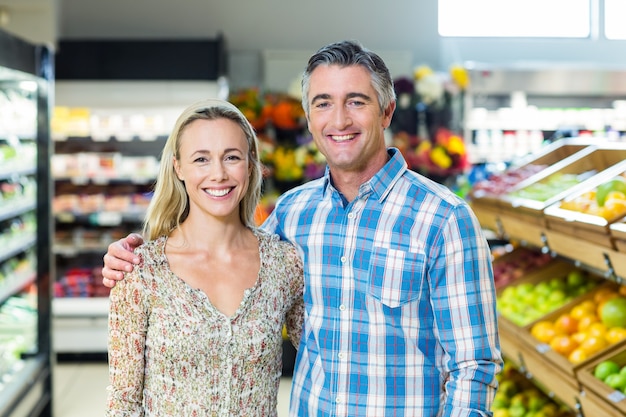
(322, 105)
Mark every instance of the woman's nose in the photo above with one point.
(217, 171)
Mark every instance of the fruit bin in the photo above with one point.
(563, 217)
(558, 360)
(514, 332)
(598, 398)
(555, 382)
(485, 199)
(539, 361)
(518, 264)
(618, 234)
(488, 214)
(523, 217)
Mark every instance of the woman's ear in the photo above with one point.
(177, 169)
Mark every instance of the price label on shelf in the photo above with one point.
(616, 396)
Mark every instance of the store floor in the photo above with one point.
(80, 390)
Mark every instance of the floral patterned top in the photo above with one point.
(172, 353)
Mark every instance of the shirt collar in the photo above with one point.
(381, 183)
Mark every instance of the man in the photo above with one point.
(400, 303)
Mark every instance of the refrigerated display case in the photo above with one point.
(26, 74)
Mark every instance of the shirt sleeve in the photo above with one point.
(128, 323)
(463, 298)
(295, 315)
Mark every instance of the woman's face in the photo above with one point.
(214, 166)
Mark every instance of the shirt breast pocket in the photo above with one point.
(396, 276)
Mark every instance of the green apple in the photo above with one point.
(616, 184)
(606, 368)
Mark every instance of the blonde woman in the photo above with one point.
(196, 329)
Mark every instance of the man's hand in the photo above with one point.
(120, 258)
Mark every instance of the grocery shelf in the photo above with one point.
(80, 307)
(24, 391)
(16, 283)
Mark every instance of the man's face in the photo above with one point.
(345, 119)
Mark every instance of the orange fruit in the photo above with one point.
(596, 329)
(567, 324)
(577, 356)
(614, 207)
(622, 290)
(563, 345)
(585, 321)
(593, 344)
(578, 337)
(544, 331)
(615, 334)
(584, 308)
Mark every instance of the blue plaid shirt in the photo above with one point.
(400, 303)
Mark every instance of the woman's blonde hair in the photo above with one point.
(169, 206)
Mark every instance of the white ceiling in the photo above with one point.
(257, 25)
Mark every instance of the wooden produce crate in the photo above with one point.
(513, 337)
(618, 234)
(587, 227)
(554, 359)
(486, 205)
(599, 399)
(558, 383)
(519, 264)
(523, 218)
(488, 215)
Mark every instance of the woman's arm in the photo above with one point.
(128, 325)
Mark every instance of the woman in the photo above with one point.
(196, 329)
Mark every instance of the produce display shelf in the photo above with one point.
(592, 228)
(587, 164)
(600, 399)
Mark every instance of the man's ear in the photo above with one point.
(388, 114)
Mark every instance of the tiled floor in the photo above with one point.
(80, 390)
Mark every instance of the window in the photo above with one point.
(614, 12)
(518, 18)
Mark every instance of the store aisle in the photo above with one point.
(80, 390)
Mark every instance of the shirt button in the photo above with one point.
(341, 355)
(342, 307)
(339, 400)
(343, 259)
(351, 215)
